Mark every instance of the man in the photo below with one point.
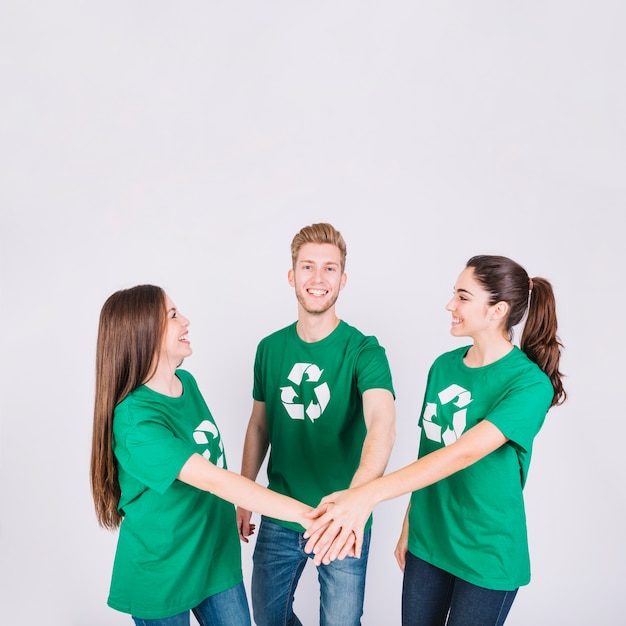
(324, 405)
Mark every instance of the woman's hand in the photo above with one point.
(338, 530)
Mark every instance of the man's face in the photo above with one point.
(317, 277)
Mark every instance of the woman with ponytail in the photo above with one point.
(463, 547)
(158, 473)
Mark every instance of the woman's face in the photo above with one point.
(470, 308)
(175, 345)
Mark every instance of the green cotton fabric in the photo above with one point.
(473, 523)
(177, 544)
(312, 393)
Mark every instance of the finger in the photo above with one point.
(358, 542)
(400, 554)
(320, 509)
(340, 549)
(320, 522)
(324, 542)
(328, 537)
(313, 539)
(337, 546)
(348, 547)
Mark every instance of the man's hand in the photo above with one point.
(245, 528)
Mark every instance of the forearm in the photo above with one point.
(471, 447)
(374, 456)
(254, 450)
(254, 497)
(380, 420)
(241, 491)
(346, 511)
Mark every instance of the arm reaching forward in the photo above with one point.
(345, 512)
(237, 489)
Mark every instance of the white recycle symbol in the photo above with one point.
(200, 436)
(288, 394)
(435, 432)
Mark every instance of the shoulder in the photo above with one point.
(130, 410)
(279, 335)
(355, 336)
(187, 379)
(450, 357)
(528, 371)
(185, 376)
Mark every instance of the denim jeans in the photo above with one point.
(228, 608)
(433, 597)
(279, 560)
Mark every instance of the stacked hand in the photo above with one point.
(339, 522)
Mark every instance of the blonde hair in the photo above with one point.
(319, 233)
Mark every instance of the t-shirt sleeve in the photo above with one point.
(150, 452)
(521, 413)
(257, 389)
(372, 369)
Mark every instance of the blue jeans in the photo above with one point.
(228, 608)
(279, 560)
(433, 597)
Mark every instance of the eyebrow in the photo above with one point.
(311, 262)
(460, 290)
(172, 309)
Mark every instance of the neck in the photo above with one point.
(165, 381)
(484, 353)
(312, 328)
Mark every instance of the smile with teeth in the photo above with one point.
(317, 292)
(456, 320)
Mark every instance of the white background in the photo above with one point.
(184, 144)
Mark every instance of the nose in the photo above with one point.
(183, 320)
(451, 305)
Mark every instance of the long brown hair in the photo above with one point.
(131, 328)
(507, 281)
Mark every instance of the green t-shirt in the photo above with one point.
(177, 544)
(313, 397)
(473, 524)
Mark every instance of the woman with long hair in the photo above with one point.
(463, 547)
(158, 473)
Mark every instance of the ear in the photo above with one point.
(344, 278)
(499, 310)
(290, 278)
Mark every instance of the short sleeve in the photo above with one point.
(521, 413)
(148, 450)
(372, 369)
(257, 390)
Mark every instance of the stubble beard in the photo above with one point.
(329, 305)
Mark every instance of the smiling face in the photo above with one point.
(175, 345)
(317, 277)
(472, 314)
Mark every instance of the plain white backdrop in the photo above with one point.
(184, 144)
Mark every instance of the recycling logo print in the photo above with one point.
(305, 374)
(435, 432)
(205, 434)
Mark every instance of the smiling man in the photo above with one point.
(323, 404)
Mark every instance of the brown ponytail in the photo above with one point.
(539, 339)
(507, 281)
